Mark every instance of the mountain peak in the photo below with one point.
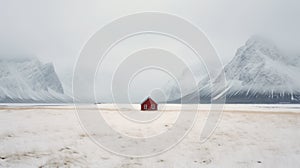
(257, 39)
(259, 46)
(259, 73)
(26, 79)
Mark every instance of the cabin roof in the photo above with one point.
(149, 99)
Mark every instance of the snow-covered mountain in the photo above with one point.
(27, 80)
(258, 73)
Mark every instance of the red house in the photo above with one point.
(148, 105)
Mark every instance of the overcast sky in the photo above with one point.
(56, 30)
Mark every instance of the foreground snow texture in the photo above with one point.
(247, 136)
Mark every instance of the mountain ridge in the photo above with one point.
(258, 73)
(27, 80)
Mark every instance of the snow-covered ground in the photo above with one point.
(246, 136)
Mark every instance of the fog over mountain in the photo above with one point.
(24, 79)
(57, 31)
(259, 73)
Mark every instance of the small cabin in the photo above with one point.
(149, 105)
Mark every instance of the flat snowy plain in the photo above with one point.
(246, 136)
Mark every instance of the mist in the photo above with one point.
(56, 31)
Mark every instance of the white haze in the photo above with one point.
(55, 31)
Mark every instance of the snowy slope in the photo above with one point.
(195, 76)
(28, 80)
(258, 73)
(259, 67)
